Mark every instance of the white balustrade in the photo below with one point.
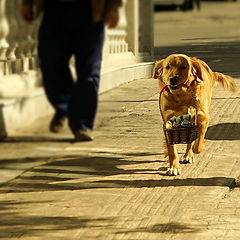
(123, 45)
(132, 40)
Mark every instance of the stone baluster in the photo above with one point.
(123, 29)
(12, 19)
(23, 50)
(33, 39)
(117, 37)
(31, 43)
(4, 29)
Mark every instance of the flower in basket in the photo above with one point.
(179, 122)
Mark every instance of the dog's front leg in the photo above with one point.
(202, 122)
(174, 165)
(188, 157)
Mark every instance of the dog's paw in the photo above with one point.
(186, 160)
(173, 171)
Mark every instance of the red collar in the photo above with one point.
(165, 86)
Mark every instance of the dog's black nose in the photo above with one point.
(173, 80)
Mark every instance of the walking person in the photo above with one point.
(72, 28)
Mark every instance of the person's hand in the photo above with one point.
(111, 19)
(27, 13)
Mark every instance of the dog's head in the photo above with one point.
(177, 69)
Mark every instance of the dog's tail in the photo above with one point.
(225, 81)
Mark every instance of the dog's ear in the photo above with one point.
(197, 67)
(157, 71)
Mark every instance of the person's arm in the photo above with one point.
(27, 12)
(111, 16)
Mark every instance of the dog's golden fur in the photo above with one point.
(190, 81)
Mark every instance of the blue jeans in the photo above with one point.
(67, 30)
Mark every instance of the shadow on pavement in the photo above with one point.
(224, 131)
(10, 163)
(77, 173)
(212, 181)
(19, 139)
(172, 227)
(16, 224)
(73, 173)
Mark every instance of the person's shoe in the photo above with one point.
(83, 135)
(57, 123)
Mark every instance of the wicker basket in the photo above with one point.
(181, 135)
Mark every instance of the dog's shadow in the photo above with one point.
(224, 131)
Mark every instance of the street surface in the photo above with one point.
(212, 34)
(115, 187)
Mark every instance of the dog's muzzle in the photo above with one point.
(174, 83)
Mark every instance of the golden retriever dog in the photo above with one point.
(187, 82)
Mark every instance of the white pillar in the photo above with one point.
(146, 41)
(132, 14)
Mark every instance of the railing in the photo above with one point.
(18, 45)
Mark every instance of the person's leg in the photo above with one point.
(84, 99)
(54, 54)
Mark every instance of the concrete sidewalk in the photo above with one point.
(115, 187)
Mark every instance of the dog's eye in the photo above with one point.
(182, 68)
(167, 67)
